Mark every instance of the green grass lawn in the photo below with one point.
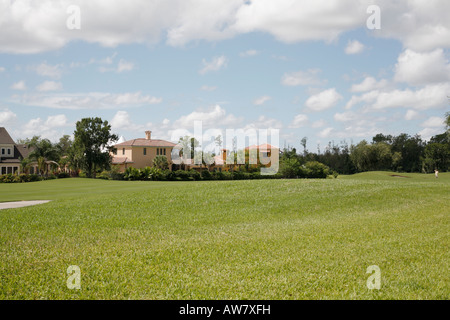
(258, 239)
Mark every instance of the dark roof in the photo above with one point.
(141, 142)
(5, 138)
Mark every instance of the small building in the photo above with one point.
(139, 153)
(11, 154)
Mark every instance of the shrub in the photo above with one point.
(206, 175)
(105, 175)
(315, 169)
(63, 175)
(195, 175)
(132, 174)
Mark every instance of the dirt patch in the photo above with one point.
(398, 176)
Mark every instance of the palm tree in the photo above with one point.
(24, 164)
(42, 151)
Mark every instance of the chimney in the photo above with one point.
(148, 135)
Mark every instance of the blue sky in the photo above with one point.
(308, 68)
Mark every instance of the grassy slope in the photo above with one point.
(280, 239)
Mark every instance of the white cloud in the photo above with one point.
(300, 120)
(7, 116)
(302, 78)
(51, 71)
(208, 88)
(2, 69)
(261, 100)
(354, 47)
(124, 66)
(318, 124)
(215, 64)
(49, 86)
(35, 26)
(325, 133)
(59, 120)
(429, 97)
(91, 100)
(249, 53)
(422, 68)
(323, 100)
(121, 120)
(212, 117)
(52, 128)
(369, 84)
(19, 86)
(412, 115)
(433, 122)
(427, 133)
(346, 116)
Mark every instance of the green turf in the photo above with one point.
(258, 239)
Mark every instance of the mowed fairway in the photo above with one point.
(257, 239)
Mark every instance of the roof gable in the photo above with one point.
(5, 138)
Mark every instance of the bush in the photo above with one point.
(206, 175)
(63, 175)
(315, 169)
(105, 175)
(195, 175)
(290, 168)
(132, 174)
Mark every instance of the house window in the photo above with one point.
(157, 151)
(10, 170)
(123, 151)
(32, 170)
(164, 151)
(3, 170)
(9, 151)
(3, 151)
(145, 151)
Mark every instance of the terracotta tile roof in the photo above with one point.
(5, 138)
(141, 142)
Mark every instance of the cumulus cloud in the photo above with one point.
(51, 128)
(36, 26)
(422, 68)
(412, 115)
(302, 78)
(49, 86)
(91, 100)
(6, 116)
(300, 120)
(428, 97)
(249, 53)
(19, 86)
(212, 117)
(433, 122)
(261, 100)
(215, 64)
(323, 100)
(47, 70)
(369, 84)
(354, 47)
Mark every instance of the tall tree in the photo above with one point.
(92, 144)
(43, 150)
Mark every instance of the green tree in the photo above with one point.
(91, 149)
(43, 150)
(161, 162)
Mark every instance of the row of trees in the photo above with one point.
(91, 147)
(385, 152)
